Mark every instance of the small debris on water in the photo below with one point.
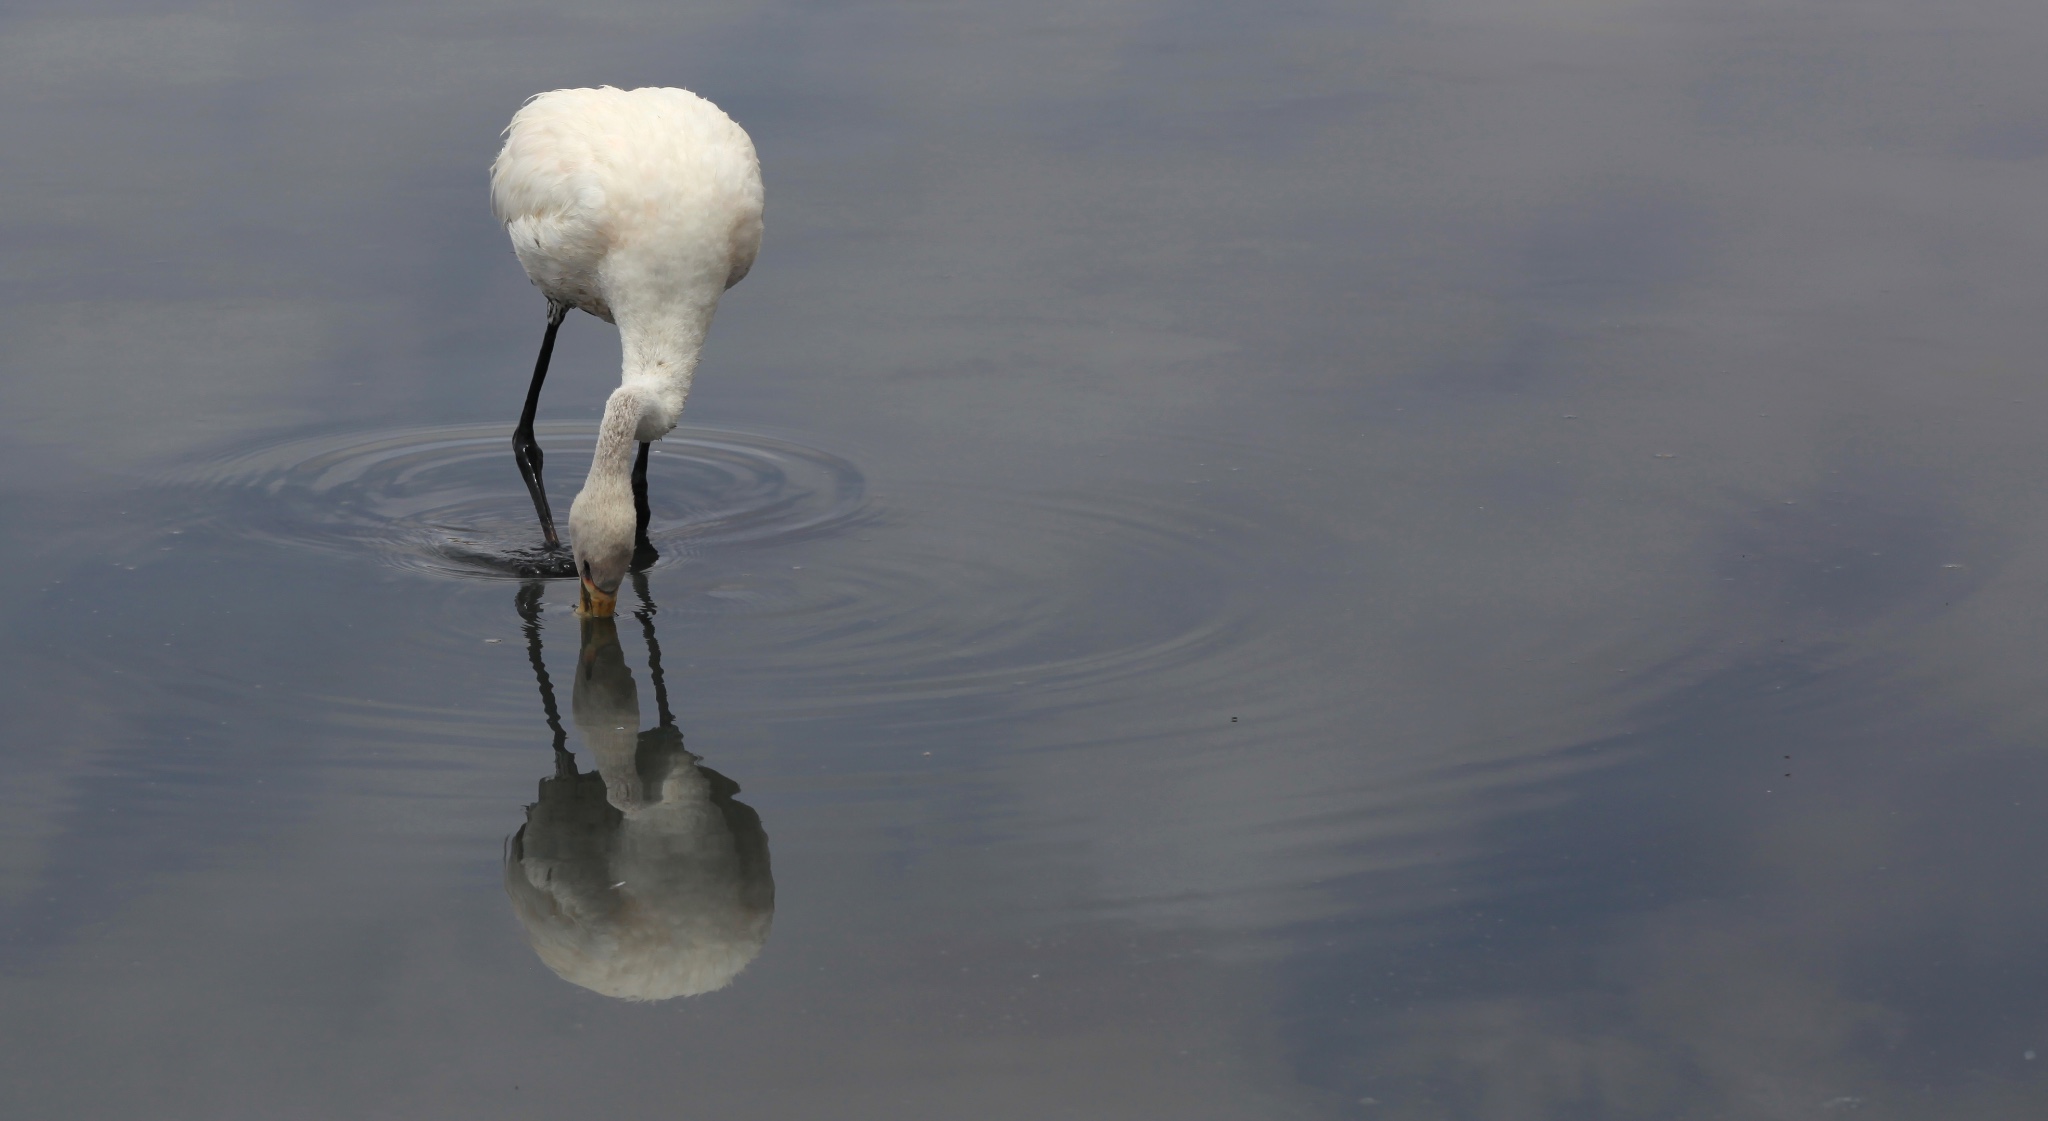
(1667, 455)
(494, 640)
(1951, 566)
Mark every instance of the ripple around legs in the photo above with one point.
(447, 499)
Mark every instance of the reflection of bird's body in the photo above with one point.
(643, 879)
(640, 207)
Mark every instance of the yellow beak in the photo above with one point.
(597, 604)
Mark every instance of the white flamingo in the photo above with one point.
(640, 207)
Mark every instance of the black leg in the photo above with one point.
(524, 449)
(644, 553)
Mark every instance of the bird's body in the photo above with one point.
(640, 207)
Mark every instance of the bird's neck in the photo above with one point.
(625, 415)
(661, 337)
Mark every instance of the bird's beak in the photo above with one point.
(598, 604)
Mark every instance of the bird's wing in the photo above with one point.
(545, 188)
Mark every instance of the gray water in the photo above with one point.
(1306, 560)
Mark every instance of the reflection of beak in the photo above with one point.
(598, 604)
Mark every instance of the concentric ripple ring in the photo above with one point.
(448, 500)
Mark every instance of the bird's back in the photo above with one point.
(598, 186)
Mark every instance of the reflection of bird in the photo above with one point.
(641, 207)
(643, 879)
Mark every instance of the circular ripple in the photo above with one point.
(963, 592)
(449, 499)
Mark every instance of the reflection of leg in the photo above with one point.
(646, 617)
(644, 553)
(525, 450)
(528, 604)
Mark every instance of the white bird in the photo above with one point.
(640, 207)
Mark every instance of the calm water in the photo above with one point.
(1322, 560)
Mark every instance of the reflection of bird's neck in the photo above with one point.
(606, 707)
(667, 770)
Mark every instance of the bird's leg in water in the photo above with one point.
(524, 448)
(644, 553)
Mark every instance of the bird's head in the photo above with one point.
(602, 521)
(601, 527)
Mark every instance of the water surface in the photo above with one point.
(1411, 561)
